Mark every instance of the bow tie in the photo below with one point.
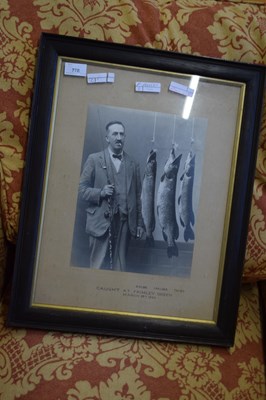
(118, 156)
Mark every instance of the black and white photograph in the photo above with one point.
(139, 191)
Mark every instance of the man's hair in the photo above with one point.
(113, 123)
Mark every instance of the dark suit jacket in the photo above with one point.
(97, 173)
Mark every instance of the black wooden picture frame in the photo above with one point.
(53, 286)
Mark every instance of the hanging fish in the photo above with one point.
(185, 205)
(147, 197)
(166, 203)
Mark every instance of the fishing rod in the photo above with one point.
(110, 244)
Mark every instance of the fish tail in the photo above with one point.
(150, 241)
(188, 233)
(172, 251)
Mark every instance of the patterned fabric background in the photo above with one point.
(56, 366)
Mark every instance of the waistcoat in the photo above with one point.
(120, 194)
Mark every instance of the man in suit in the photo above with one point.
(110, 184)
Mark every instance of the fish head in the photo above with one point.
(169, 160)
(151, 162)
(151, 156)
(172, 165)
(190, 164)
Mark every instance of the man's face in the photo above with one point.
(116, 137)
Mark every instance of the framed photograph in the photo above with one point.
(137, 192)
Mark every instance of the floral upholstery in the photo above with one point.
(49, 365)
(52, 365)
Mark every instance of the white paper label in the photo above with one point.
(74, 69)
(181, 89)
(110, 77)
(148, 87)
(104, 77)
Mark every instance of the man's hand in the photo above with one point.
(140, 231)
(107, 191)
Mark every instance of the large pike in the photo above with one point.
(147, 197)
(186, 213)
(166, 203)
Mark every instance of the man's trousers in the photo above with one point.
(109, 251)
